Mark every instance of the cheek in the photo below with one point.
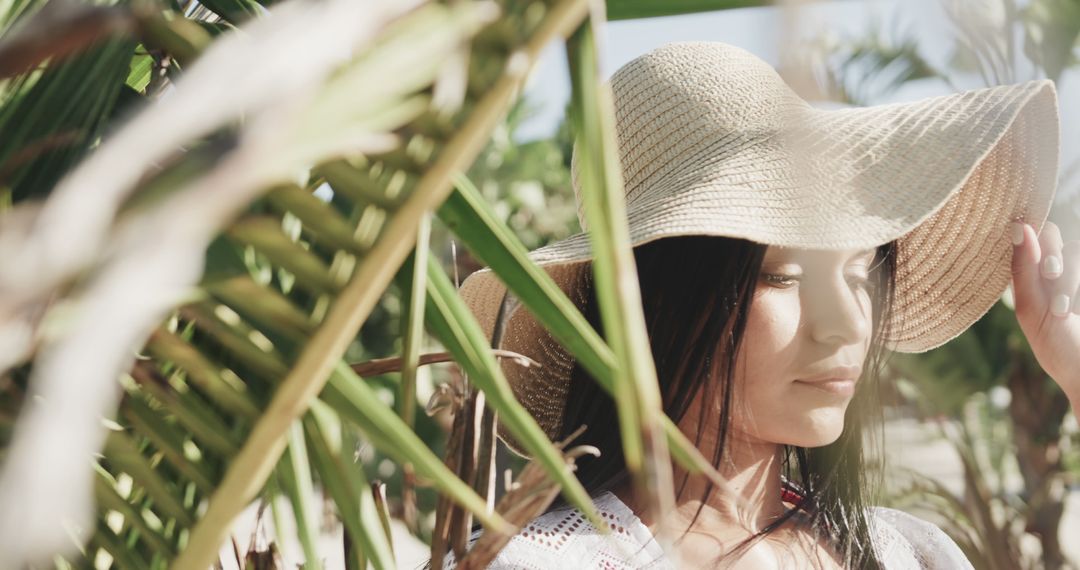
(763, 367)
(770, 342)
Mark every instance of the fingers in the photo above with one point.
(1046, 271)
(1050, 266)
(1064, 289)
(1059, 288)
(1027, 282)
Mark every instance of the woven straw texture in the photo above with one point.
(712, 141)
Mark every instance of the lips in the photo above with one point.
(837, 380)
(838, 386)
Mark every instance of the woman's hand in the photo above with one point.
(1046, 287)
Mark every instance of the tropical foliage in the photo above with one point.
(226, 229)
(202, 206)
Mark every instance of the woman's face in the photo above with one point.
(810, 320)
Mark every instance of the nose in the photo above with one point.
(838, 313)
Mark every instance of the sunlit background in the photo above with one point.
(980, 441)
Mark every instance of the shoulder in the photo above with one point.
(902, 540)
(554, 538)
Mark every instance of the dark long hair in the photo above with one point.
(696, 293)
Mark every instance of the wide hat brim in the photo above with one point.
(943, 176)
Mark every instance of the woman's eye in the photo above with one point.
(786, 281)
(782, 281)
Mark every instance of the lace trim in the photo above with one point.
(564, 538)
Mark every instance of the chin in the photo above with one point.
(818, 428)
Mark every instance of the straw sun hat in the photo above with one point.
(712, 141)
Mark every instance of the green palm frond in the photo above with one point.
(632, 9)
(1052, 30)
(258, 180)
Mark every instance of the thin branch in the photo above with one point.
(396, 363)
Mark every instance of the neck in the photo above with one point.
(751, 500)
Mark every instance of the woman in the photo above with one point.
(782, 251)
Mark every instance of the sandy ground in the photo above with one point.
(907, 444)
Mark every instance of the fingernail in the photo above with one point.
(1052, 266)
(1017, 233)
(1060, 305)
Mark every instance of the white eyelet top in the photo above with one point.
(564, 539)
